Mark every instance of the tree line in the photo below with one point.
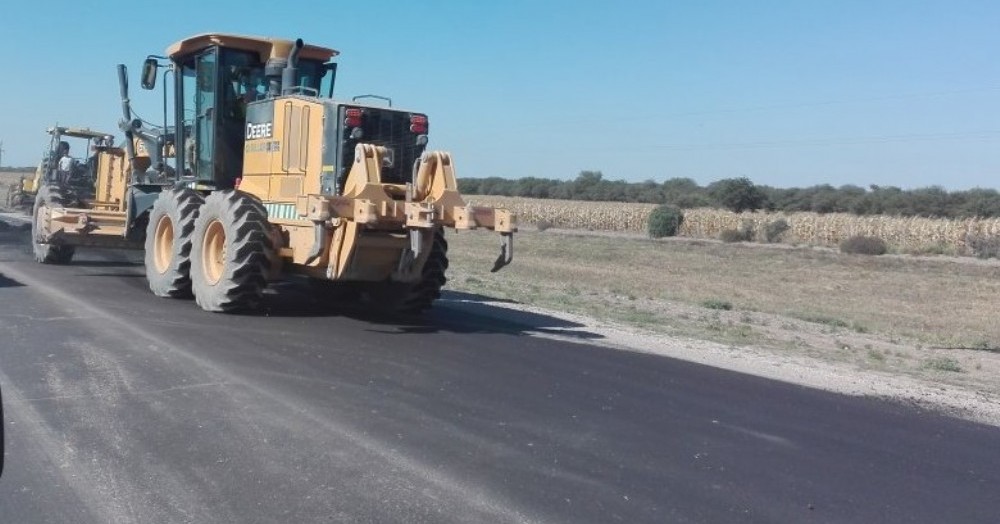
(741, 194)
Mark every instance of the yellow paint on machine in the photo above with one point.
(286, 164)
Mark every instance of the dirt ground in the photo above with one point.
(931, 319)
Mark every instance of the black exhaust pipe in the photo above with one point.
(290, 72)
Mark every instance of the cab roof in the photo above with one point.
(265, 47)
(78, 132)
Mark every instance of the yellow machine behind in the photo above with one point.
(88, 203)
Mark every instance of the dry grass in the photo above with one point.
(884, 312)
(907, 235)
(10, 177)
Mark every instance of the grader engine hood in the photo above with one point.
(297, 135)
(403, 134)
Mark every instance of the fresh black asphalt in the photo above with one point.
(123, 407)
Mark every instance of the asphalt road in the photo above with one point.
(123, 407)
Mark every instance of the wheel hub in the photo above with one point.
(214, 252)
(163, 245)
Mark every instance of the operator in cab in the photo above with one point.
(66, 164)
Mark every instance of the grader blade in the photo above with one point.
(506, 253)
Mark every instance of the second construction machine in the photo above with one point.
(92, 202)
(273, 176)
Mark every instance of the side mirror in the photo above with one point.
(149, 68)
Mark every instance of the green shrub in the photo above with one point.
(736, 235)
(738, 194)
(715, 303)
(775, 229)
(943, 364)
(543, 224)
(984, 246)
(665, 221)
(862, 245)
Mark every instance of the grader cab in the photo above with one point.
(78, 149)
(274, 176)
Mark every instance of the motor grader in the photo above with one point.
(272, 176)
(91, 201)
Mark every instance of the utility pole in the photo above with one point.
(1, 154)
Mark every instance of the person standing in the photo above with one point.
(66, 164)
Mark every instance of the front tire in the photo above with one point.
(168, 242)
(48, 197)
(230, 253)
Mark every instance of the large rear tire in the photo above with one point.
(417, 297)
(48, 197)
(168, 242)
(231, 252)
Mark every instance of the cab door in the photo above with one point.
(205, 95)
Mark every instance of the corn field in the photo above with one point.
(902, 234)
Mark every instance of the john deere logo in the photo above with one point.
(255, 131)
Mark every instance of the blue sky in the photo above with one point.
(788, 93)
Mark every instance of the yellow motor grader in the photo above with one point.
(272, 176)
(89, 201)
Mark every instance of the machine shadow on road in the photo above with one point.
(454, 312)
(6, 281)
(16, 235)
(470, 312)
(88, 267)
(107, 263)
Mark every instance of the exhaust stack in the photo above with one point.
(290, 72)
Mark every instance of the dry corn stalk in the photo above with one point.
(901, 233)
